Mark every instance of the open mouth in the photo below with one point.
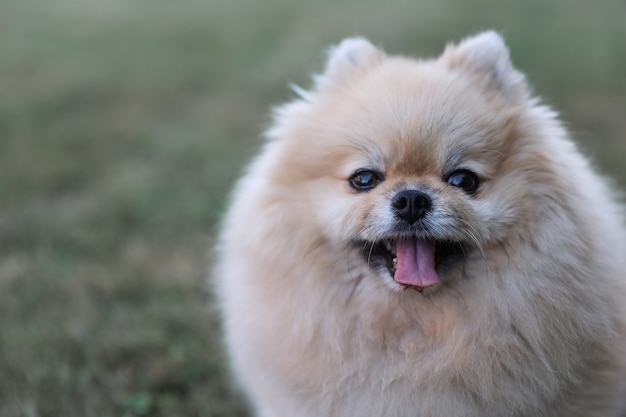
(412, 262)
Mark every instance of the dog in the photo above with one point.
(422, 238)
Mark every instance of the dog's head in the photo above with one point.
(415, 165)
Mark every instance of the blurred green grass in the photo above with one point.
(123, 126)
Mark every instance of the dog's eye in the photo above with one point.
(464, 179)
(365, 180)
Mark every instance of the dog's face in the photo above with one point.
(415, 166)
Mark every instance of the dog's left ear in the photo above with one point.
(349, 57)
(486, 54)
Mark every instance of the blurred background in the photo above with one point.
(123, 125)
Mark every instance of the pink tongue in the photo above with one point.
(416, 263)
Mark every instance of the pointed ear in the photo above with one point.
(351, 56)
(486, 54)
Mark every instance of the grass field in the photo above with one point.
(123, 125)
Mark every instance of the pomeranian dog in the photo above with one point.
(421, 238)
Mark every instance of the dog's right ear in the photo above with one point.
(351, 56)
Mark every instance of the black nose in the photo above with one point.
(411, 205)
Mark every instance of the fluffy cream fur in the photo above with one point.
(528, 321)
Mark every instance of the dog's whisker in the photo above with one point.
(471, 234)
